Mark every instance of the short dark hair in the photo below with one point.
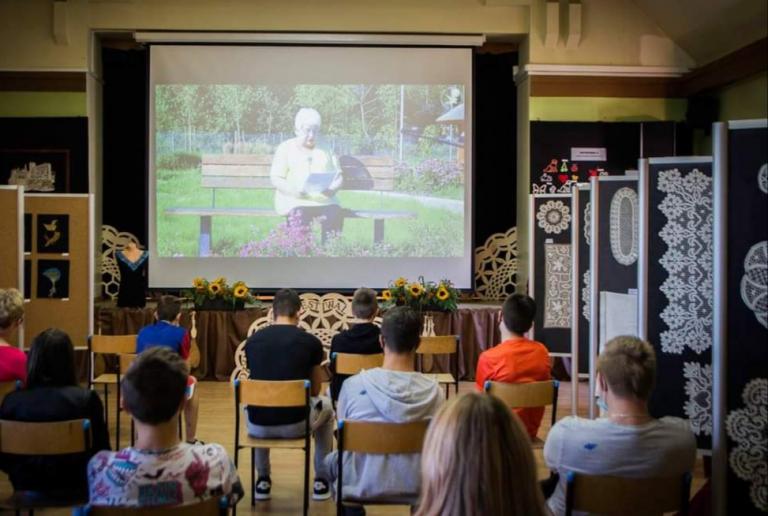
(364, 303)
(286, 303)
(628, 366)
(168, 307)
(155, 384)
(51, 361)
(518, 312)
(401, 329)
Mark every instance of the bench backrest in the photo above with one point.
(252, 171)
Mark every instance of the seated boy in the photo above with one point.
(166, 332)
(392, 393)
(517, 359)
(160, 470)
(362, 338)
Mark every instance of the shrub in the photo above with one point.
(178, 160)
(429, 175)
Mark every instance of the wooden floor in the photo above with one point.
(217, 425)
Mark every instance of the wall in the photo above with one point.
(42, 103)
(744, 99)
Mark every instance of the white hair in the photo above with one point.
(307, 117)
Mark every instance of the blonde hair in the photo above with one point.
(477, 460)
(11, 307)
(628, 366)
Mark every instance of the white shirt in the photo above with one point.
(661, 447)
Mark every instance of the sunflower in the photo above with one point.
(240, 291)
(386, 295)
(221, 280)
(400, 282)
(198, 283)
(416, 289)
(442, 293)
(214, 289)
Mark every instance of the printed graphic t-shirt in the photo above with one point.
(181, 475)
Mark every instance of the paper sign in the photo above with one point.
(589, 154)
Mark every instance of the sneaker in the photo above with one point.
(322, 491)
(263, 488)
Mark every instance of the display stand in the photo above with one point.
(580, 240)
(61, 259)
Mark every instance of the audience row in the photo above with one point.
(476, 459)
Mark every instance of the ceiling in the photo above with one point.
(709, 29)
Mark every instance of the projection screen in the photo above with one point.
(310, 167)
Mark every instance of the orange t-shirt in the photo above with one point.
(517, 360)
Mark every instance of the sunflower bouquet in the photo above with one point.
(218, 291)
(421, 295)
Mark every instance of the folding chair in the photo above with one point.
(44, 439)
(441, 345)
(125, 360)
(107, 345)
(352, 363)
(209, 507)
(526, 395)
(626, 496)
(380, 439)
(8, 387)
(263, 393)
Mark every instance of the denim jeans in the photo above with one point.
(320, 423)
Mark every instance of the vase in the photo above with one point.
(220, 305)
(428, 326)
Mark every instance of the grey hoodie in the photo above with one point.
(382, 395)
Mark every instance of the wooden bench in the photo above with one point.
(247, 171)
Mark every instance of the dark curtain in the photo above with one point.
(125, 140)
(495, 189)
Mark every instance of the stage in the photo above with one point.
(220, 332)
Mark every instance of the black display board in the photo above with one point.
(582, 230)
(550, 273)
(677, 295)
(624, 143)
(746, 321)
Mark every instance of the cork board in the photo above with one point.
(69, 306)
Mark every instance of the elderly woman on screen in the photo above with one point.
(306, 177)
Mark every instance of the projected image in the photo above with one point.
(310, 170)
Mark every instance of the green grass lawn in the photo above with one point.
(178, 235)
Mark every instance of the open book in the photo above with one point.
(318, 182)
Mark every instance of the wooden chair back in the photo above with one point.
(627, 496)
(264, 393)
(8, 387)
(209, 507)
(438, 345)
(126, 359)
(381, 438)
(113, 344)
(352, 363)
(49, 438)
(523, 395)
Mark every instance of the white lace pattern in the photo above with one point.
(557, 286)
(754, 283)
(748, 428)
(624, 229)
(688, 260)
(698, 388)
(586, 296)
(554, 217)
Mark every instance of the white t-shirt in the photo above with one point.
(181, 475)
(661, 447)
(295, 164)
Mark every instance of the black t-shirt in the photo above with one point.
(281, 352)
(361, 339)
(41, 404)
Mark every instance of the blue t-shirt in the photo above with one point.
(163, 333)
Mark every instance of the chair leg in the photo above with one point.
(253, 477)
(133, 433)
(106, 402)
(306, 478)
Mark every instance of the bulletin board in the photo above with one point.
(675, 297)
(550, 271)
(61, 266)
(740, 353)
(11, 237)
(580, 241)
